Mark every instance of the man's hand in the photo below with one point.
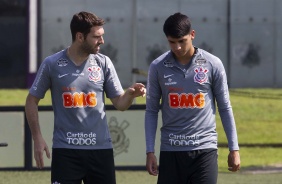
(137, 89)
(234, 161)
(125, 100)
(39, 147)
(151, 164)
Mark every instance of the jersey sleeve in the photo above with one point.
(112, 83)
(152, 108)
(42, 81)
(220, 90)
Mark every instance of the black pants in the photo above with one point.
(188, 167)
(71, 166)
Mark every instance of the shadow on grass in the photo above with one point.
(275, 168)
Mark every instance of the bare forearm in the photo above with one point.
(123, 102)
(31, 110)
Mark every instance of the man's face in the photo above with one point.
(93, 40)
(181, 46)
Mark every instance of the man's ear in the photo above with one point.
(193, 34)
(79, 36)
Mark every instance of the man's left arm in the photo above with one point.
(221, 93)
(234, 161)
(125, 100)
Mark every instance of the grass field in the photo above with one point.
(258, 119)
(139, 177)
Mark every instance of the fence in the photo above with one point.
(127, 127)
(244, 34)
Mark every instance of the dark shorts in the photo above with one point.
(188, 167)
(72, 166)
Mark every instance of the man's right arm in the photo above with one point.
(153, 97)
(152, 164)
(151, 119)
(31, 110)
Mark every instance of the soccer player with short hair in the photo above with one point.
(189, 82)
(78, 77)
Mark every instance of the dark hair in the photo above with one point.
(177, 25)
(82, 22)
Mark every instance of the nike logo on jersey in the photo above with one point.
(166, 76)
(60, 76)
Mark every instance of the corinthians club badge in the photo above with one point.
(94, 73)
(201, 75)
(119, 140)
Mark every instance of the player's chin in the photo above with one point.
(95, 51)
(179, 54)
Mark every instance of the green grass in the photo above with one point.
(258, 120)
(254, 157)
(138, 177)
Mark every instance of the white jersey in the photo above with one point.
(188, 107)
(78, 99)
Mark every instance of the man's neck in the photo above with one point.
(76, 56)
(187, 57)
